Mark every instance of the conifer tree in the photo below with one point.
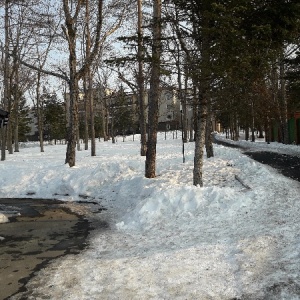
(150, 166)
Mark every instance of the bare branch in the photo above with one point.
(46, 72)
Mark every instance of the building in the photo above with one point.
(110, 104)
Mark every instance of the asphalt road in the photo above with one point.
(43, 230)
(287, 165)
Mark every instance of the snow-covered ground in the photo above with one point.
(167, 238)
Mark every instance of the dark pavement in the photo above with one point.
(38, 231)
(287, 165)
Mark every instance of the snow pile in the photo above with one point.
(3, 218)
(235, 238)
(176, 203)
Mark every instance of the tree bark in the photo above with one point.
(150, 168)
(17, 101)
(202, 108)
(200, 140)
(73, 98)
(141, 88)
(89, 80)
(182, 98)
(6, 77)
(86, 113)
(247, 133)
(40, 113)
(92, 117)
(208, 136)
(73, 120)
(252, 123)
(9, 108)
(284, 109)
(104, 119)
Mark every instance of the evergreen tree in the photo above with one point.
(293, 77)
(54, 118)
(24, 120)
(123, 113)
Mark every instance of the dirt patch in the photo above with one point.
(40, 231)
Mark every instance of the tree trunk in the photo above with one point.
(200, 140)
(261, 134)
(141, 89)
(104, 119)
(182, 98)
(89, 80)
(78, 132)
(236, 127)
(284, 109)
(195, 110)
(247, 133)
(191, 131)
(9, 125)
(208, 133)
(267, 130)
(73, 122)
(6, 78)
(113, 140)
(70, 34)
(204, 86)
(40, 113)
(17, 101)
(72, 125)
(184, 106)
(252, 123)
(150, 168)
(92, 117)
(73, 116)
(86, 112)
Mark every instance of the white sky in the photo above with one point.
(168, 239)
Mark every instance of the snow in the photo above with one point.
(167, 238)
(3, 219)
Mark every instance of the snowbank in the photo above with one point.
(3, 218)
(168, 239)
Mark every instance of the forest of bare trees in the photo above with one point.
(236, 61)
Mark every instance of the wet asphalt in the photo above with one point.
(287, 165)
(38, 232)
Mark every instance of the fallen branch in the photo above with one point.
(242, 182)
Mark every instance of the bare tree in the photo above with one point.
(71, 19)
